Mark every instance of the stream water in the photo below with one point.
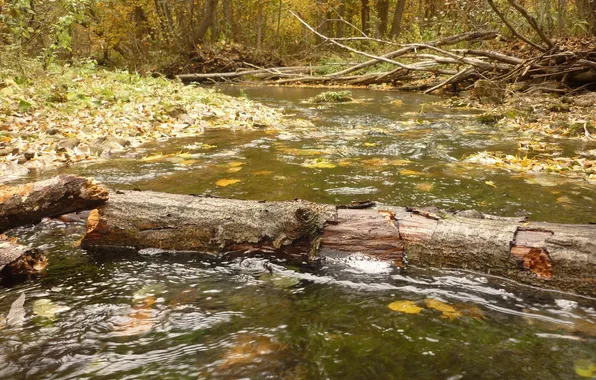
(179, 317)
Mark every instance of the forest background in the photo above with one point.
(162, 35)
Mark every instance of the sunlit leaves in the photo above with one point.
(585, 368)
(318, 164)
(226, 182)
(407, 307)
(446, 310)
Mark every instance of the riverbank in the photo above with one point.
(69, 114)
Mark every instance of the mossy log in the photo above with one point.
(31, 202)
(551, 256)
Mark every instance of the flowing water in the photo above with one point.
(181, 317)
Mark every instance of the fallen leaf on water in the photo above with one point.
(234, 170)
(370, 144)
(45, 308)
(490, 183)
(279, 281)
(318, 164)
(412, 172)
(448, 311)
(16, 314)
(235, 164)
(249, 349)
(425, 186)
(263, 172)
(226, 182)
(407, 307)
(585, 368)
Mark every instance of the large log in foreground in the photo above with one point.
(31, 202)
(548, 255)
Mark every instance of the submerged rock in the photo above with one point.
(489, 92)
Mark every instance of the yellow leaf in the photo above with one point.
(236, 164)
(226, 182)
(448, 311)
(318, 164)
(407, 307)
(490, 183)
(370, 144)
(585, 368)
(425, 186)
(263, 172)
(412, 172)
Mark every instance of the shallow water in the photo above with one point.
(181, 317)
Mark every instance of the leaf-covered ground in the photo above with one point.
(69, 114)
(544, 122)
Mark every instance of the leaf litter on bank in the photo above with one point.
(104, 112)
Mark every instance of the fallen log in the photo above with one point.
(17, 260)
(31, 202)
(551, 256)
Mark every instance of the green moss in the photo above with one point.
(333, 97)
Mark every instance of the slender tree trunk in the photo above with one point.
(365, 16)
(340, 25)
(259, 24)
(561, 16)
(397, 17)
(383, 15)
(227, 16)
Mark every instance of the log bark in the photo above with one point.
(551, 256)
(17, 260)
(31, 202)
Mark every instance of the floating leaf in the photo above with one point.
(263, 172)
(370, 144)
(425, 186)
(149, 290)
(226, 182)
(318, 164)
(407, 307)
(448, 311)
(16, 314)
(235, 164)
(412, 172)
(45, 308)
(490, 183)
(279, 281)
(234, 170)
(585, 368)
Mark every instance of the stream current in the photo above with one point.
(178, 316)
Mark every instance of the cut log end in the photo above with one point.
(29, 203)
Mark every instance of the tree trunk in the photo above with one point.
(383, 16)
(365, 16)
(208, 16)
(259, 24)
(397, 17)
(342, 14)
(29, 203)
(549, 255)
(228, 19)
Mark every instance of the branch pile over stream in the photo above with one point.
(546, 61)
